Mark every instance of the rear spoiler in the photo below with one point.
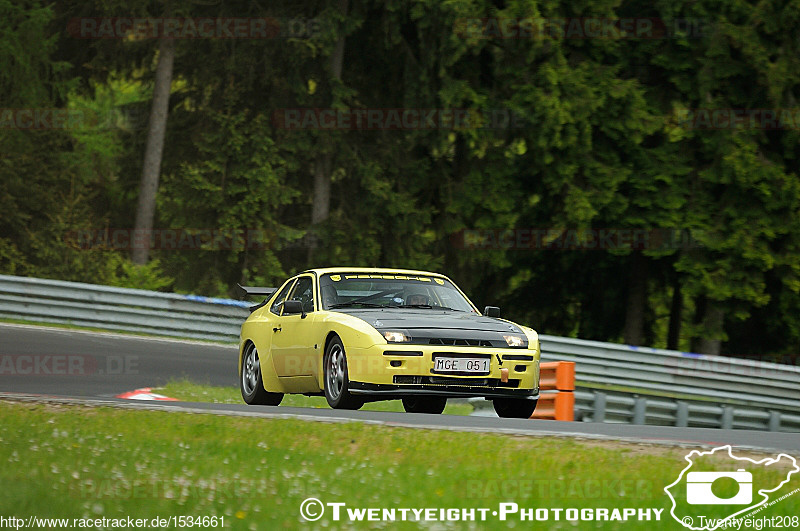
(257, 291)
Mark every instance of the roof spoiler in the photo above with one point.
(256, 291)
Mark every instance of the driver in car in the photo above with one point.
(417, 299)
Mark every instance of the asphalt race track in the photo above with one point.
(87, 364)
(38, 363)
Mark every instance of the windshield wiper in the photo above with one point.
(356, 303)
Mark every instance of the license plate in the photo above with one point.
(468, 365)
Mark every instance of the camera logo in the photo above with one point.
(698, 488)
(744, 485)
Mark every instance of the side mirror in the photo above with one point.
(292, 307)
(491, 311)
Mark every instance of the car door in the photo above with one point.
(272, 322)
(293, 341)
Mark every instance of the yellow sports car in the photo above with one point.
(358, 335)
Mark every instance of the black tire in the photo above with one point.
(337, 381)
(251, 383)
(424, 404)
(514, 408)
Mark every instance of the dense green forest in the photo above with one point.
(674, 121)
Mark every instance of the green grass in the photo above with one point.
(192, 392)
(73, 462)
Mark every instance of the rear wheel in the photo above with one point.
(250, 382)
(424, 404)
(337, 382)
(514, 408)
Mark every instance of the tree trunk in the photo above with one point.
(710, 342)
(151, 169)
(322, 171)
(338, 53)
(322, 189)
(637, 299)
(699, 313)
(321, 199)
(675, 311)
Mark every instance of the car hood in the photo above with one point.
(411, 318)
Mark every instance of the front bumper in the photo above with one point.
(397, 370)
(388, 392)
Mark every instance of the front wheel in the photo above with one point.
(514, 408)
(337, 382)
(424, 404)
(250, 382)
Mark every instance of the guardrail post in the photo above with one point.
(727, 417)
(774, 421)
(599, 407)
(639, 410)
(682, 414)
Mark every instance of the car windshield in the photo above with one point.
(371, 290)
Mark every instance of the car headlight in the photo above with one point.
(396, 336)
(514, 341)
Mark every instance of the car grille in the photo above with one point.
(435, 381)
(460, 342)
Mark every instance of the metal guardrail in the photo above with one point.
(600, 406)
(672, 374)
(124, 309)
(650, 386)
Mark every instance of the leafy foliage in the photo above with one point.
(597, 138)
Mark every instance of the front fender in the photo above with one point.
(354, 332)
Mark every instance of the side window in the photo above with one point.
(276, 305)
(304, 292)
